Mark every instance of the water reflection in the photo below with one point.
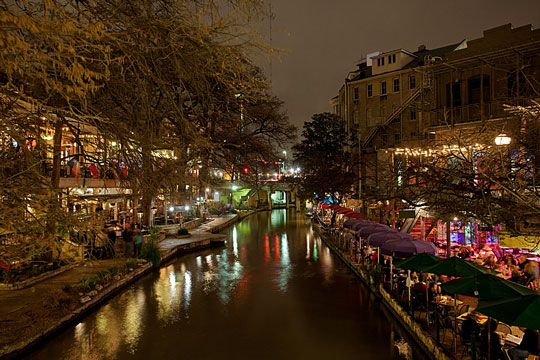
(237, 292)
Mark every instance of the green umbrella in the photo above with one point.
(486, 286)
(418, 262)
(521, 311)
(455, 266)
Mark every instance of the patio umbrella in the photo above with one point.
(406, 247)
(523, 311)
(379, 238)
(418, 262)
(349, 223)
(355, 215)
(366, 231)
(486, 286)
(362, 223)
(343, 210)
(455, 266)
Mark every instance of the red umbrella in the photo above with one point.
(343, 211)
(355, 215)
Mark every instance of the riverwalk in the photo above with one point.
(27, 315)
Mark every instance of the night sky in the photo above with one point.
(324, 39)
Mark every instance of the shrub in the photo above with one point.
(183, 231)
(150, 252)
(67, 288)
(58, 300)
(131, 263)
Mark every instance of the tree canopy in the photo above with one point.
(324, 156)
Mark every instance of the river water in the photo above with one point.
(275, 291)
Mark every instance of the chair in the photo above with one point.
(503, 328)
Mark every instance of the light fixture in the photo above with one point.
(171, 209)
(503, 139)
(234, 187)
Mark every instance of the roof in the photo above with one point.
(363, 73)
(439, 52)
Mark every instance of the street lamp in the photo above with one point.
(502, 139)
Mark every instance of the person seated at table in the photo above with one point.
(517, 277)
(464, 252)
(531, 271)
(528, 346)
(470, 329)
(497, 251)
(494, 341)
(522, 262)
(509, 260)
(491, 262)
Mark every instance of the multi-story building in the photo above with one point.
(399, 100)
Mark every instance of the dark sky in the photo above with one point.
(325, 38)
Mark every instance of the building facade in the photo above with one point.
(399, 103)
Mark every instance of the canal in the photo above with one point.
(275, 291)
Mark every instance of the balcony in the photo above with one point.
(472, 112)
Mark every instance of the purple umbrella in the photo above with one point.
(366, 231)
(362, 223)
(377, 239)
(407, 247)
(349, 223)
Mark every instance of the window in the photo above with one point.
(396, 85)
(515, 78)
(369, 118)
(389, 59)
(397, 138)
(394, 58)
(474, 89)
(412, 82)
(379, 62)
(383, 87)
(413, 114)
(369, 90)
(453, 98)
(384, 140)
(355, 117)
(382, 61)
(355, 93)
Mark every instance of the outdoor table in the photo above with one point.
(480, 319)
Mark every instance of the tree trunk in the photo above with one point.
(50, 231)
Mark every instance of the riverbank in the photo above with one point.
(30, 315)
(424, 339)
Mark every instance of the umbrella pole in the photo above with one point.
(489, 338)
(454, 340)
(378, 255)
(391, 258)
(409, 290)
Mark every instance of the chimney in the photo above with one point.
(421, 47)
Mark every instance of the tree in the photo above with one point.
(466, 174)
(324, 157)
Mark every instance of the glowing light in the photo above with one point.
(171, 209)
(502, 139)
